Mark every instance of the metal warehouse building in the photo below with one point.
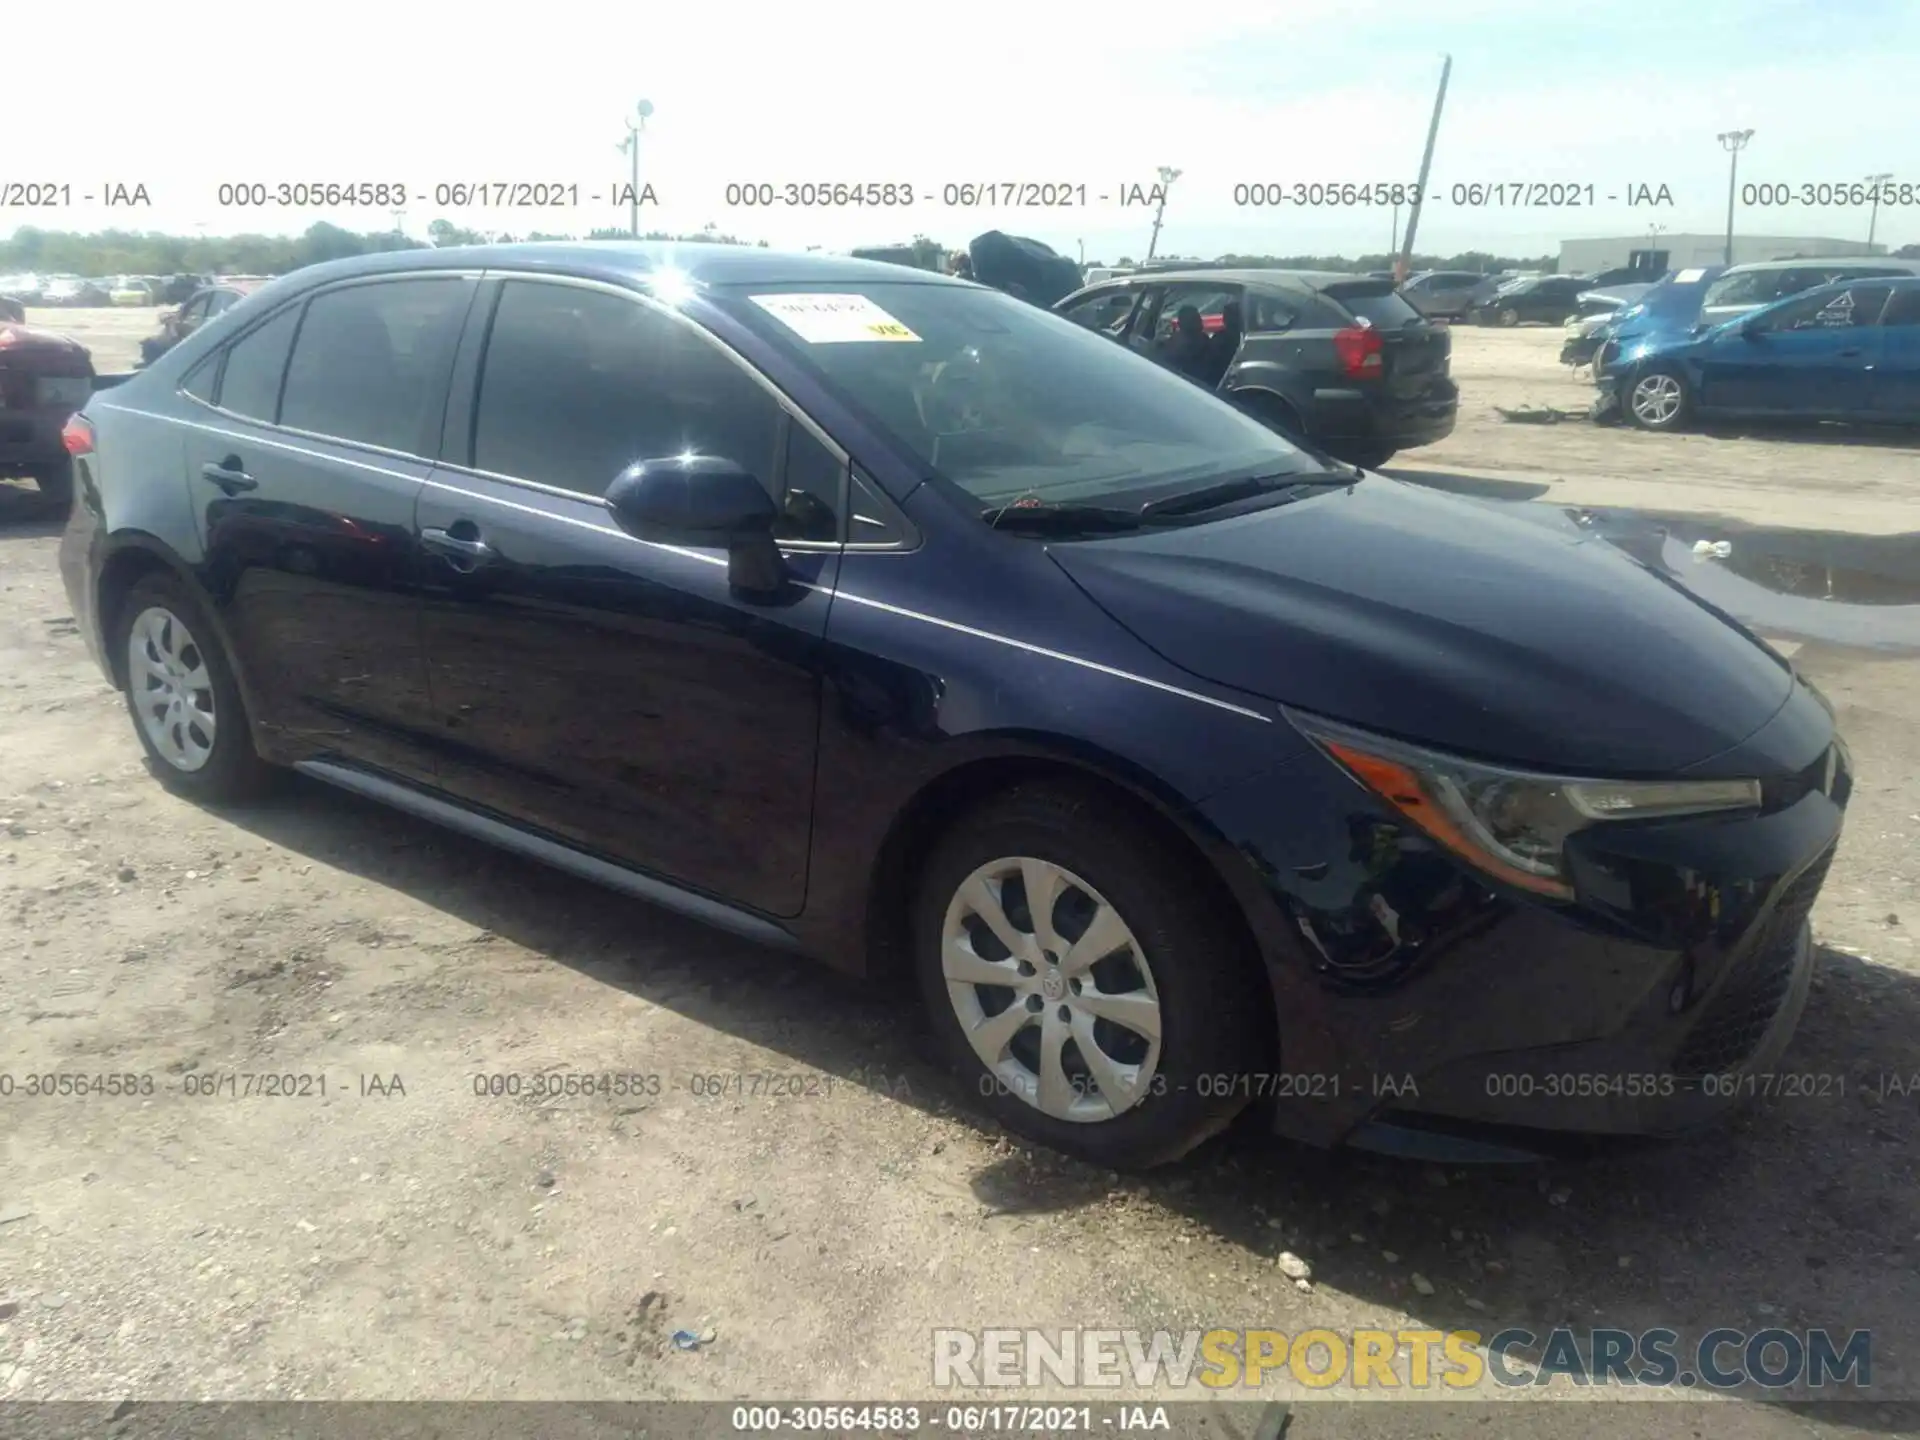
(1587, 257)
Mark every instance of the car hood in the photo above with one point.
(1517, 637)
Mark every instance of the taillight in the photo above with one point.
(1361, 351)
(77, 435)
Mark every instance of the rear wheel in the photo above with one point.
(181, 693)
(1509, 316)
(1659, 399)
(1271, 411)
(1369, 458)
(1081, 983)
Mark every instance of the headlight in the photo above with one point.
(1511, 824)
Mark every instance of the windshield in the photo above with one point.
(1007, 400)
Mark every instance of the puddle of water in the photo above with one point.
(1810, 585)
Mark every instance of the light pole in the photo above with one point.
(636, 122)
(1873, 215)
(1168, 174)
(1393, 248)
(1733, 142)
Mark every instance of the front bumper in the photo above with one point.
(1424, 1010)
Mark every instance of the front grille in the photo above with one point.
(1735, 1023)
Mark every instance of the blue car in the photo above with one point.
(887, 618)
(1671, 308)
(1842, 352)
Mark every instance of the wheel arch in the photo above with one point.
(1282, 409)
(135, 554)
(943, 799)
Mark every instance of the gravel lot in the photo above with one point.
(403, 1237)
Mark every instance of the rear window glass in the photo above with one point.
(1378, 304)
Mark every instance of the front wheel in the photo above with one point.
(1659, 399)
(1082, 984)
(1509, 317)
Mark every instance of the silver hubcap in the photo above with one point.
(1051, 989)
(1656, 399)
(172, 691)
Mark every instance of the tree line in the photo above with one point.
(129, 252)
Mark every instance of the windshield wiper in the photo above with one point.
(1229, 491)
(1046, 519)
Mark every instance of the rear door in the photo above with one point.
(613, 692)
(305, 469)
(1417, 354)
(1893, 392)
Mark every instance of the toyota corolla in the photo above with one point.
(884, 617)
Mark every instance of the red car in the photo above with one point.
(44, 378)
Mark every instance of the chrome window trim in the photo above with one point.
(221, 351)
(781, 399)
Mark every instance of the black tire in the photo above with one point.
(1509, 317)
(1368, 457)
(233, 770)
(56, 486)
(1210, 994)
(1674, 419)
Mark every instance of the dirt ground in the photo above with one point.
(402, 1236)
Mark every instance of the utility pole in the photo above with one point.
(1405, 261)
(636, 122)
(1167, 176)
(1733, 142)
(1873, 215)
(1393, 246)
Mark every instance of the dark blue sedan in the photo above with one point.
(1849, 351)
(887, 618)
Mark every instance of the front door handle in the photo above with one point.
(466, 551)
(230, 475)
(1852, 353)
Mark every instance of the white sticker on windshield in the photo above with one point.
(1689, 277)
(833, 319)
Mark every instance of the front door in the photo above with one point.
(305, 474)
(1812, 356)
(612, 692)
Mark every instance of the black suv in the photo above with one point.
(1339, 360)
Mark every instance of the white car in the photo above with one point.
(129, 291)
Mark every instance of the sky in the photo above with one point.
(984, 93)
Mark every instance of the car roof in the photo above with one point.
(707, 263)
(1838, 261)
(1291, 279)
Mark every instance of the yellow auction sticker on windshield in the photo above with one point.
(833, 319)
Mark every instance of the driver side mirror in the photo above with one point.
(704, 500)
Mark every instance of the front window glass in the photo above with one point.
(1006, 400)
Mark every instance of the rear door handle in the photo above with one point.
(459, 548)
(230, 475)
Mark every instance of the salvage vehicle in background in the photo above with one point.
(200, 307)
(1539, 299)
(44, 378)
(886, 618)
(71, 292)
(1340, 361)
(1442, 294)
(131, 290)
(1847, 352)
(1742, 289)
(1598, 309)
